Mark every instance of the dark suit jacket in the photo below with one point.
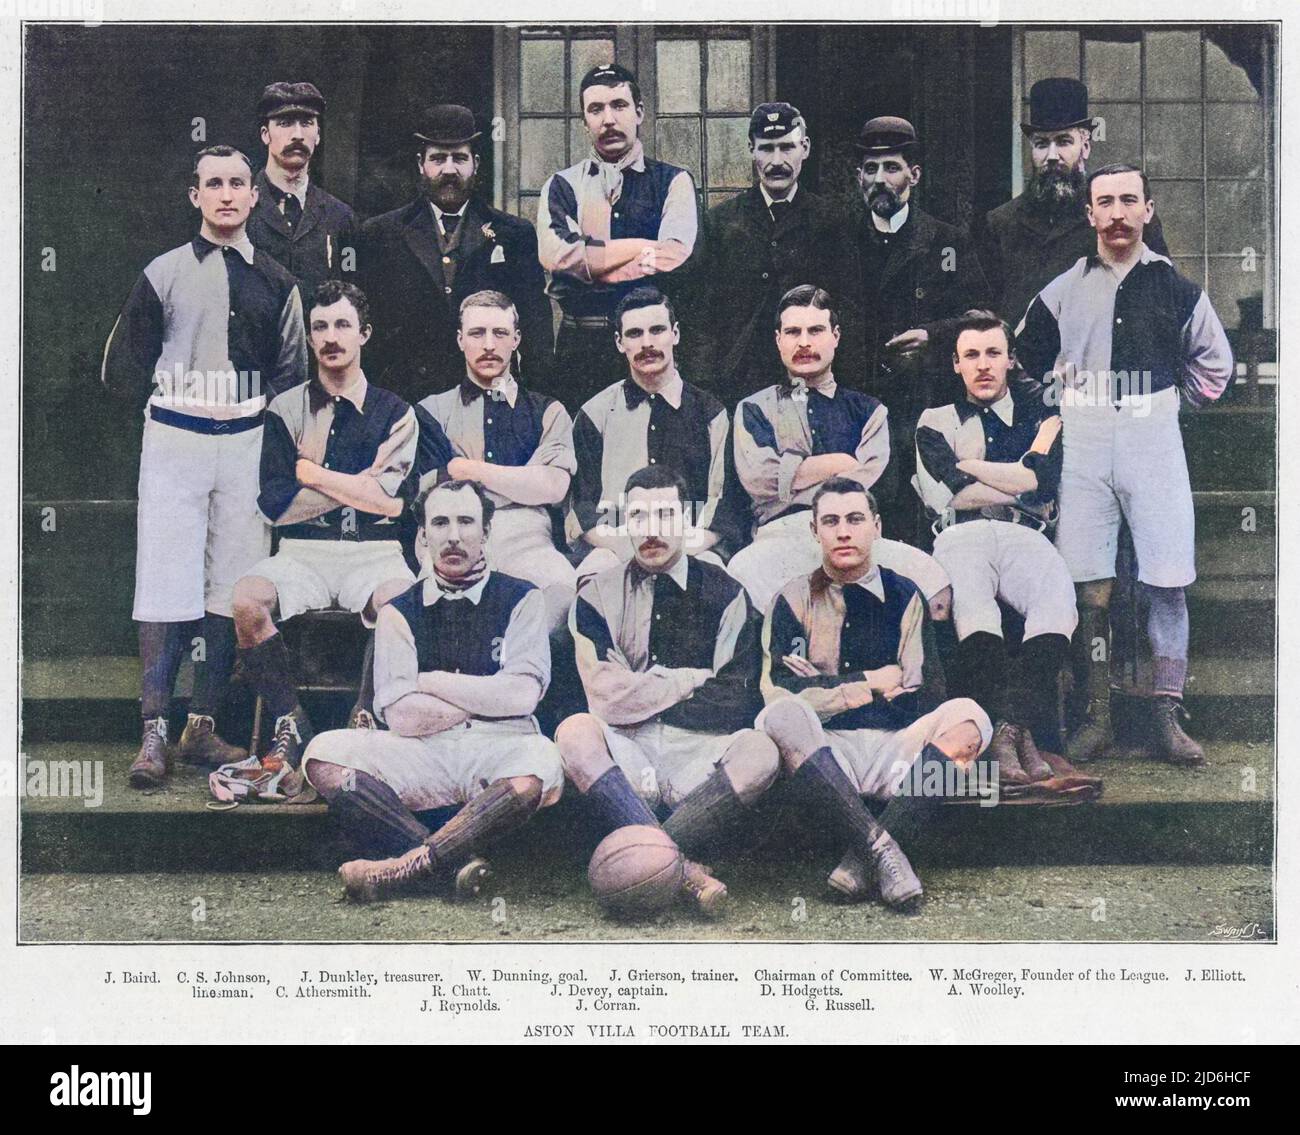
(1023, 253)
(932, 275)
(312, 254)
(413, 351)
(743, 264)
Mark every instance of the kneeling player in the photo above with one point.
(842, 660)
(461, 661)
(987, 469)
(336, 474)
(667, 647)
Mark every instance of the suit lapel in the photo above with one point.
(423, 242)
(472, 239)
(917, 232)
(310, 213)
(269, 208)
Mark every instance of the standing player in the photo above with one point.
(461, 661)
(1126, 339)
(604, 224)
(213, 327)
(516, 443)
(842, 660)
(652, 417)
(306, 229)
(793, 436)
(987, 470)
(336, 476)
(667, 647)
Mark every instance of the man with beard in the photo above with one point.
(752, 250)
(295, 220)
(1031, 239)
(604, 225)
(419, 262)
(917, 275)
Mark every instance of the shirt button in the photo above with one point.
(618, 214)
(652, 461)
(764, 277)
(232, 311)
(489, 421)
(652, 427)
(446, 259)
(656, 618)
(654, 658)
(1119, 320)
(774, 244)
(489, 453)
(447, 290)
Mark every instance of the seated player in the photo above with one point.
(336, 474)
(652, 417)
(987, 470)
(461, 661)
(842, 660)
(516, 443)
(794, 435)
(667, 647)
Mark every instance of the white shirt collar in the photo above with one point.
(873, 583)
(432, 592)
(1004, 408)
(800, 388)
(671, 391)
(300, 192)
(677, 573)
(438, 214)
(768, 198)
(506, 385)
(896, 222)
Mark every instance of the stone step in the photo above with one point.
(85, 818)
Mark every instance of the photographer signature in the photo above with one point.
(1249, 930)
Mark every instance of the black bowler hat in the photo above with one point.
(889, 135)
(290, 98)
(1057, 104)
(447, 125)
(774, 119)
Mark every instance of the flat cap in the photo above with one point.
(607, 75)
(774, 119)
(287, 98)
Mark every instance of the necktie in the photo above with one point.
(779, 210)
(449, 222)
(291, 207)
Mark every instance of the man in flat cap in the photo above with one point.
(1031, 239)
(604, 225)
(916, 277)
(753, 249)
(420, 261)
(308, 231)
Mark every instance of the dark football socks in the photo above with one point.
(826, 796)
(700, 820)
(161, 648)
(212, 672)
(497, 810)
(615, 804)
(1034, 702)
(268, 665)
(372, 814)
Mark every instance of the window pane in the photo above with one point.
(541, 150)
(1181, 212)
(1237, 216)
(1112, 70)
(1235, 140)
(1118, 137)
(1231, 287)
(729, 160)
(1173, 140)
(579, 142)
(1223, 78)
(677, 141)
(1192, 267)
(541, 74)
(1050, 54)
(678, 61)
(1173, 65)
(584, 54)
(729, 74)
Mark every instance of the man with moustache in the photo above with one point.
(1031, 239)
(419, 262)
(798, 433)
(754, 248)
(604, 225)
(516, 443)
(461, 661)
(295, 220)
(652, 417)
(916, 276)
(988, 466)
(211, 331)
(843, 660)
(1121, 340)
(667, 647)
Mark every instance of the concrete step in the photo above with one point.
(1150, 813)
(546, 899)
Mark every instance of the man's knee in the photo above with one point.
(965, 729)
(253, 600)
(794, 727)
(581, 741)
(528, 789)
(1094, 593)
(941, 604)
(751, 763)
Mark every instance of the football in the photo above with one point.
(636, 870)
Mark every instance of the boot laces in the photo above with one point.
(286, 734)
(392, 872)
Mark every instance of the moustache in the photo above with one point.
(779, 171)
(648, 355)
(1118, 228)
(806, 356)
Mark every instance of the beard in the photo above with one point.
(448, 191)
(883, 200)
(1055, 194)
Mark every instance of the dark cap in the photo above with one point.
(889, 135)
(1057, 104)
(609, 75)
(290, 98)
(446, 124)
(774, 119)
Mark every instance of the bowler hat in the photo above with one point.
(1057, 104)
(446, 124)
(290, 98)
(889, 135)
